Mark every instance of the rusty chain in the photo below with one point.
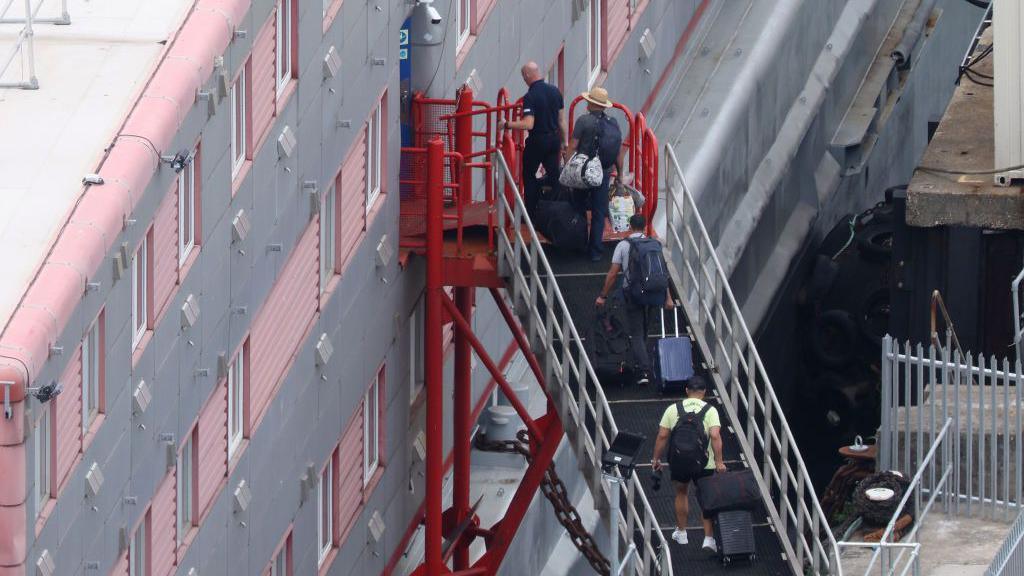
(556, 493)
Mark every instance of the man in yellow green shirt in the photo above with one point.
(694, 403)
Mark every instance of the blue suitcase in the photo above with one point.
(675, 357)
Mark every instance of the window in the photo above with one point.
(554, 76)
(463, 14)
(138, 549)
(371, 428)
(185, 481)
(187, 206)
(285, 39)
(239, 120)
(236, 399)
(327, 215)
(594, 41)
(43, 450)
(281, 562)
(92, 347)
(374, 149)
(140, 292)
(325, 512)
(416, 351)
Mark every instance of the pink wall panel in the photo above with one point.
(264, 85)
(165, 250)
(351, 200)
(163, 530)
(482, 7)
(350, 478)
(213, 446)
(69, 417)
(616, 27)
(284, 319)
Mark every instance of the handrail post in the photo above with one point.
(434, 357)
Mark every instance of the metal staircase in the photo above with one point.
(743, 384)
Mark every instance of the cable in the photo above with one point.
(978, 3)
(973, 77)
(140, 137)
(937, 170)
(444, 44)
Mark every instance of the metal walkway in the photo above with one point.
(639, 409)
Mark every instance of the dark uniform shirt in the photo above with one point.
(543, 101)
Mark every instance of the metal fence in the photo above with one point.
(1018, 308)
(895, 555)
(1010, 557)
(743, 383)
(921, 389)
(572, 384)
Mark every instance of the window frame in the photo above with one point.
(42, 472)
(139, 548)
(416, 350)
(187, 189)
(237, 379)
(463, 22)
(595, 39)
(92, 372)
(141, 272)
(374, 152)
(281, 562)
(239, 120)
(556, 73)
(185, 489)
(325, 505)
(372, 436)
(284, 68)
(328, 236)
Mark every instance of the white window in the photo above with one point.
(416, 351)
(186, 488)
(325, 512)
(236, 401)
(374, 149)
(281, 563)
(138, 550)
(239, 122)
(91, 374)
(463, 14)
(187, 210)
(371, 429)
(594, 41)
(140, 292)
(284, 42)
(42, 457)
(327, 238)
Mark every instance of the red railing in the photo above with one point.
(414, 185)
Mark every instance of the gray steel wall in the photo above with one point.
(366, 317)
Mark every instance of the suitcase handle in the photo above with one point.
(675, 316)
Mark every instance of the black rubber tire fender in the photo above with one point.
(874, 242)
(834, 338)
(874, 308)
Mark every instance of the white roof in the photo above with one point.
(90, 74)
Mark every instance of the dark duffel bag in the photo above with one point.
(733, 490)
(608, 343)
(562, 224)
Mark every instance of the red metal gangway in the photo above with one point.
(455, 143)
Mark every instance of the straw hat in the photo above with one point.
(598, 97)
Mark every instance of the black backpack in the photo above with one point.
(688, 443)
(606, 142)
(648, 272)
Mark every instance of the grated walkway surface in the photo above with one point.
(639, 409)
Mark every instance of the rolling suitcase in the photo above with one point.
(675, 358)
(734, 532)
(607, 342)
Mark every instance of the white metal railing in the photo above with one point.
(571, 382)
(1018, 330)
(921, 388)
(743, 383)
(932, 479)
(24, 42)
(1010, 558)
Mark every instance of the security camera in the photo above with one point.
(435, 16)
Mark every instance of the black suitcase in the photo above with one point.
(607, 341)
(734, 532)
(562, 224)
(675, 358)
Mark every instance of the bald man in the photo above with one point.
(544, 118)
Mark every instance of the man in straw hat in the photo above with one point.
(597, 133)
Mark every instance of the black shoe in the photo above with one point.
(644, 379)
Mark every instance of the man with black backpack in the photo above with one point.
(596, 133)
(690, 430)
(644, 285)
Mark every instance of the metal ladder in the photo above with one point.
(571, 382)
(743, 384)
